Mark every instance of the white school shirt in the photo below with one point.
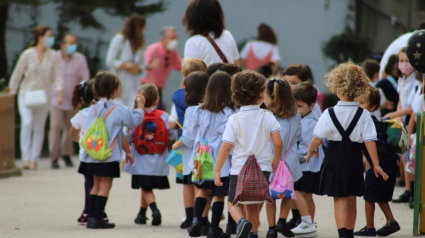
(199, 47)
(79, 123)
(188, 137)
(149, 164)
(261, 49)
(363, 132)
(211, 127)
(418, 101)
(405, 88)
(309, 122)
(250, 119)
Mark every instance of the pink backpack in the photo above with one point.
(282, 184)
(252, 186)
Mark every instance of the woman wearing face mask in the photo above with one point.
(160, 59)
(125, 57)
(38, 68)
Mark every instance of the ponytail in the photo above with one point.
(83, 94)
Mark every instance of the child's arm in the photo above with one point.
(223, 154)
(314, 144)
(371, 149)
(128, 156)
(190, 128)
(400, 113)
(75, 134)
(277, 149)
(135, 118)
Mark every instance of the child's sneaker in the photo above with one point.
(282, 227)
(305, 230)
(253, 235)
(140, 219)
(195, 228)
(231, 228)
(217, 233)
(272, 233)
(156, 218)
(83, 218)
(390, 228)
(244, 227)
(366, 232)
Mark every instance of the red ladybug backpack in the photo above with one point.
(151, 137)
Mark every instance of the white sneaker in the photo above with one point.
(305, 230)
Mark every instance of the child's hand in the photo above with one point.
(129, 158)
(140, 99)
(177, 145)
(309, 155)
(217, 178)
(378, 171)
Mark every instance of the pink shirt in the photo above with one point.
(168, 61)
(74, 70)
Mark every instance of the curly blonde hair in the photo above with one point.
(348, 80)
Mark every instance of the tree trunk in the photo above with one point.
(4, 9)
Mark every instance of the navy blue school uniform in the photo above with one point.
(377, 189)
(346, 126)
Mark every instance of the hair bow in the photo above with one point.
(270, 85)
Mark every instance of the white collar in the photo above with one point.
(250, 107)
(341, 103)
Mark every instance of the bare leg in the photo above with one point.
(271, 214)
(236, 211)
(144, 203)
(149, 196)
(351, 213)
(340, 206)
(253, 216)
(105, 186)
(385, 207)
(311, 205)
(188, 195)
(370, 214)
(96, 185)
(301, 204)
(208, 206)
(284, 208)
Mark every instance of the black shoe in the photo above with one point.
(140, 219)
(156, 218)
(404, 198)
(411, 202)
(186, 224)
(366, 232)
(217, 233)
(272, 233)
(231, 229)
(244, 227)
(388, 229)
(205, 230)
(83, 218)
(93, 223)
(195, 228)
(55, 164)
(284, 229)
(293, 223)
(105, 217)
(253, 235)
(68, 161)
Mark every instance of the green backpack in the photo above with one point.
(397, 138)
(95, 140)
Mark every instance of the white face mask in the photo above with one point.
(172, 45)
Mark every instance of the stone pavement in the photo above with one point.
(46, 203)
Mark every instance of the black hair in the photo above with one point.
(391, 67)
(105, 84)
(195, 84)
(204, 16)
(266, 70)
(267, 34)
(371, 67)
(306, 93)
(83, 95)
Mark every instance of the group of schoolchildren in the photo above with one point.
(240, 114)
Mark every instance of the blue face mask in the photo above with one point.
(50, 42)
(70, 49)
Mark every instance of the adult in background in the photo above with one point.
(74, 71)
(125, 56)
(160, 59)
(209, 41)
(262, 50)
(38, 68)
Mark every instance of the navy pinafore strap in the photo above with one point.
(346, 133)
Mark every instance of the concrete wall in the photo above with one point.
(302, 27)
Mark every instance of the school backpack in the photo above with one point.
(252, 186)
(95, 140)
(203, 164)
(397, 134)
(151, 137)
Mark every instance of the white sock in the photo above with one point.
(307, 219)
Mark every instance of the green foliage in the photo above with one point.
(347, 46)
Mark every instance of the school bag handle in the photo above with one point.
(256, 141)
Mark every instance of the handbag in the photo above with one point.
(252, 186)
(175, 158)
(217, 49)
(282, 184)
(35, 99)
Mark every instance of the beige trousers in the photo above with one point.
(60, 122)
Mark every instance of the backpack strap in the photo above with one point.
(104, 118)
(217, 49)
(289, 148)
(177, 122)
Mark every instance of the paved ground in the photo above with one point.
(46, 203)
